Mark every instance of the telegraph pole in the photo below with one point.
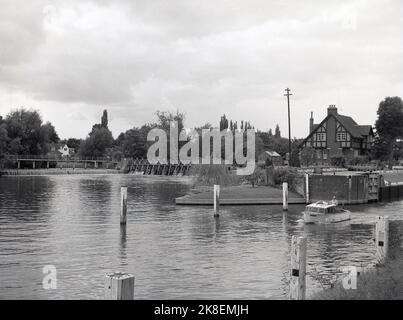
(288, 94)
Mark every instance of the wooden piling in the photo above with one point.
(123, 205)
(119, 286)
(307, 188)
(298, 268)
(285, 196)
(381, 238)
(216, 200)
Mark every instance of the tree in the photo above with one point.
(295, 161)
(307, 156)
(97, 143)
(133, 143)
(224, 123)
(277, 132)
(4, 139)
(104, 119)
(99, 139)
(26, 133)
(165, 118)
(389, 125)
(74, 143)
(49, 132)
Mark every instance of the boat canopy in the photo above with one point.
(322, 204)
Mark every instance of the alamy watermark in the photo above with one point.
(189, 152)
(49, 281)
(349, 282)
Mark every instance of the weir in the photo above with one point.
(142, 166)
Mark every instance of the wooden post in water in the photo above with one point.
(307, 187)
(216, 200)
(381, 238)
(285, 196)
(350, 186)
(123, 205)
(298, 268)
(119, 286)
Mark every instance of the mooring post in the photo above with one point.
(119, 286)
(298, 268)
(350, 187)
(307, 188)
(382, 235)
(216, 200)
(123, 205)
(285, 196)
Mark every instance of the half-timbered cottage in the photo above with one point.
(337, 135)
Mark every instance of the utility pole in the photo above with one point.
(288, 94)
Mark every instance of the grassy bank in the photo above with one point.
(380, 283)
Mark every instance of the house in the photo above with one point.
(337, 135)
(66, 151)
(270, 157)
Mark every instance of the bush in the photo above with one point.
(209, 175)
(276, 176)
(338, 161)
(258, 177)
(357, 161)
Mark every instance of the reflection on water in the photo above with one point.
(175, 252)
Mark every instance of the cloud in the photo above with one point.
(203, 57)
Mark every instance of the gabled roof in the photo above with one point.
(365, 130)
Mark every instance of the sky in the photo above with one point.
(70, 60)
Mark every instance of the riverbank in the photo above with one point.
(56, 171)
(238, 195)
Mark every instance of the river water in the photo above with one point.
(175, 252)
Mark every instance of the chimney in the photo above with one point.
(332, 109)
(311, 123)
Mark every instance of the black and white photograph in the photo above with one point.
(216, 152)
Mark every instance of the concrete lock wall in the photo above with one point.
(346, 189)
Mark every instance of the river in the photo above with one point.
(175, 252)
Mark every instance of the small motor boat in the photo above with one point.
(325, 212)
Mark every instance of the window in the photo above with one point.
(325, 152)
(318, 154)
(341, 136)
(320, 136)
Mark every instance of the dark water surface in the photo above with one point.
(175, 252)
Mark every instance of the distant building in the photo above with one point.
(58, 150)
(66, 151)
(270, 157)
(337, 135)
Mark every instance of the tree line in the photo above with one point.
(23, 132)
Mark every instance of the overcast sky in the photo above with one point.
(72, 59)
